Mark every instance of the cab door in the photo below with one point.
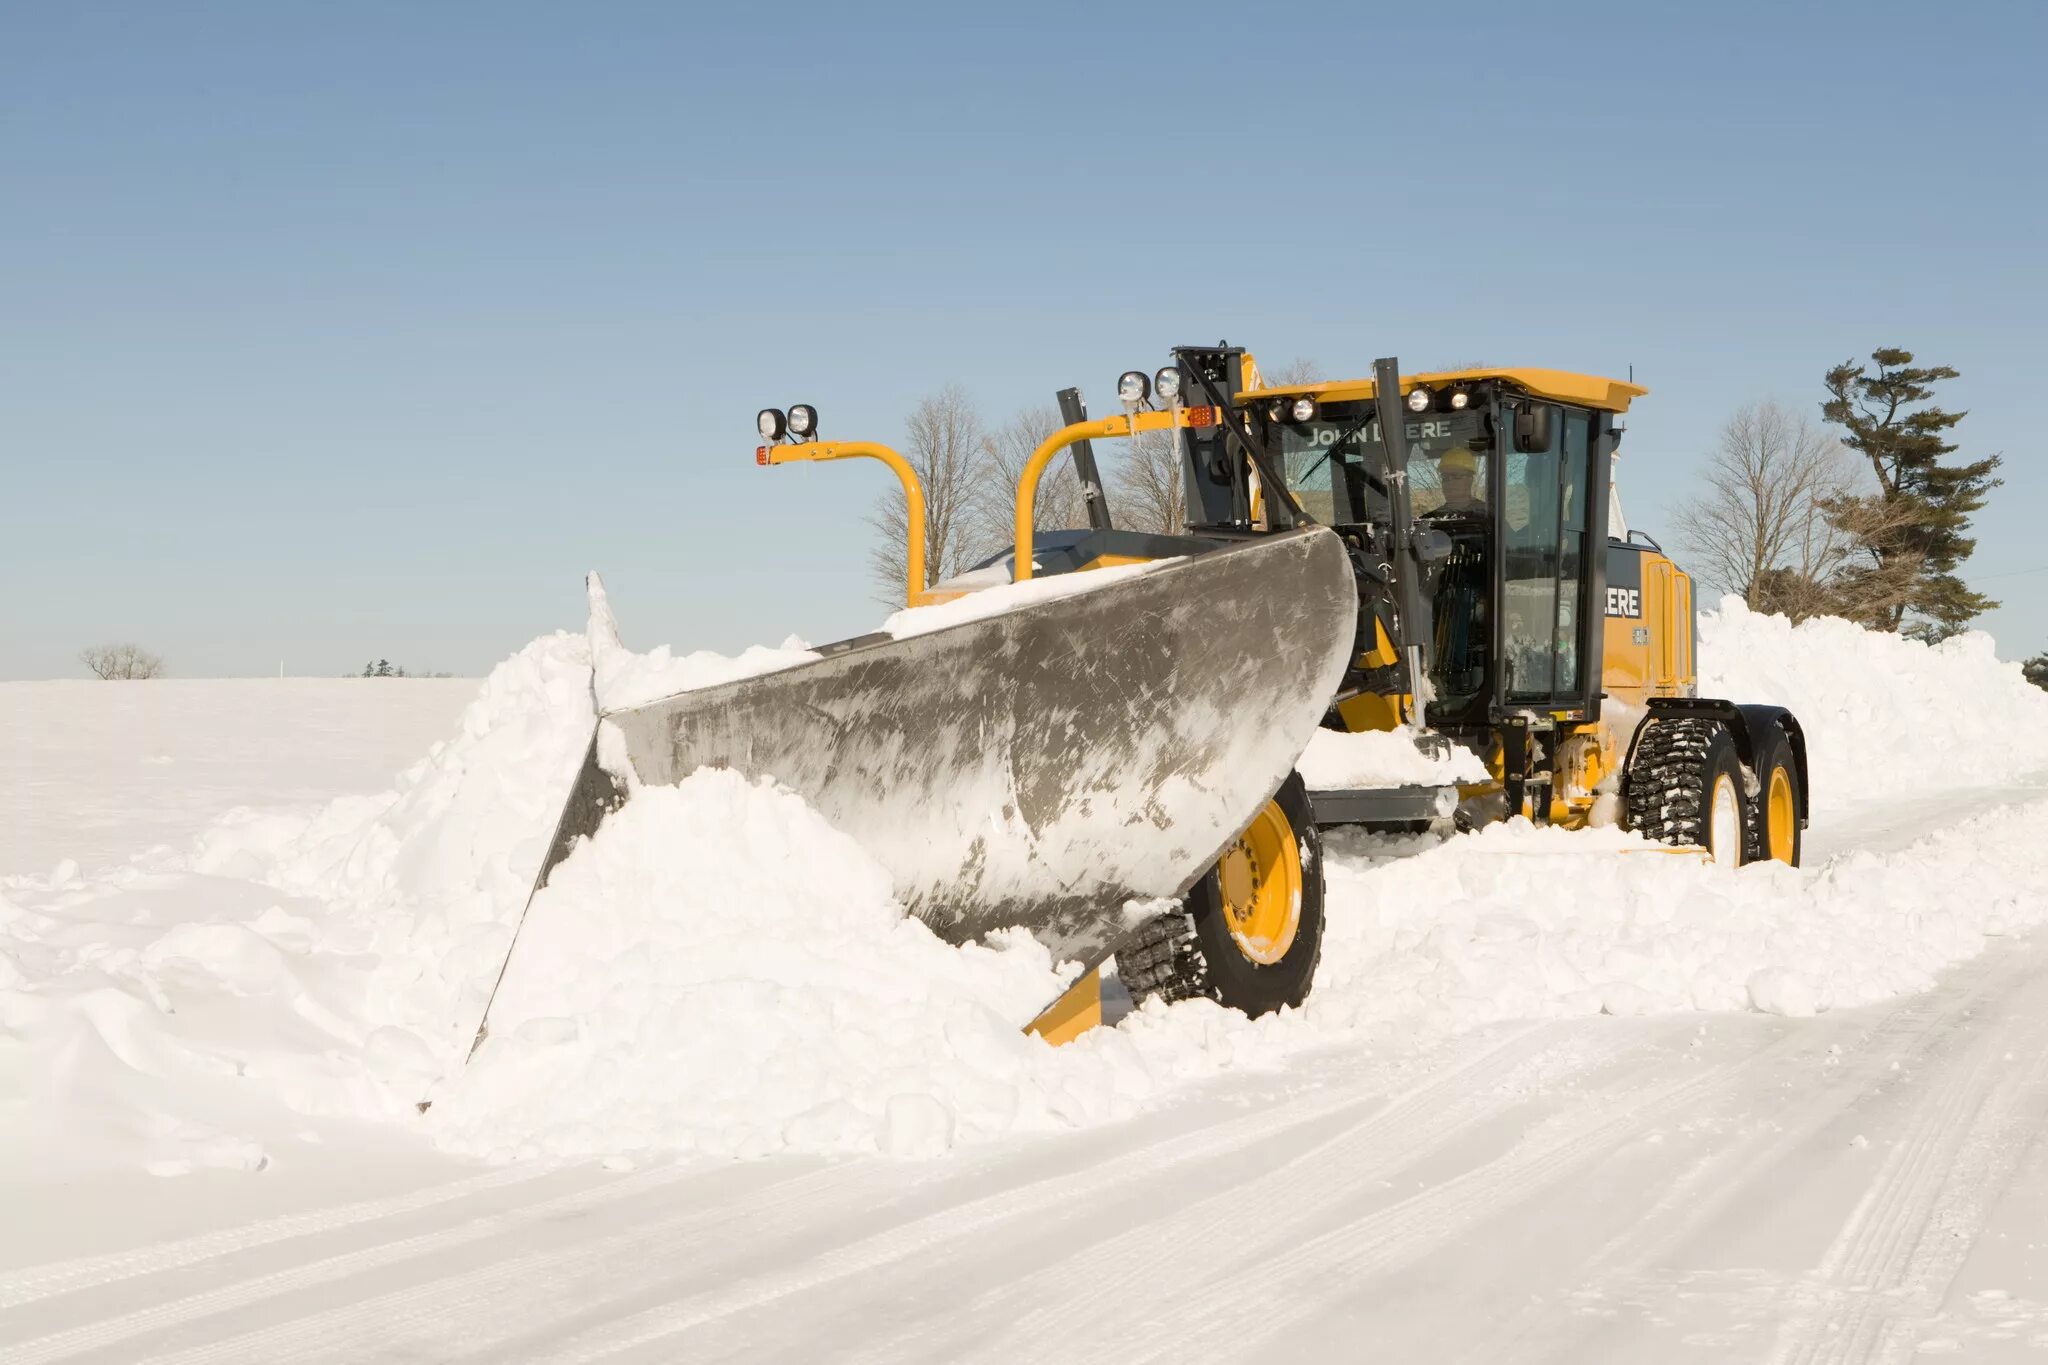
(1543, 588)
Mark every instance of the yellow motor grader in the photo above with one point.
(1112, 769)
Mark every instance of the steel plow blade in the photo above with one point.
(1041, 767)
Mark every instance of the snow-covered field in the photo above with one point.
(1555, 1096)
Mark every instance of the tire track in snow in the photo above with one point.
(162, 1316)
(942, 1229)
(1418, 1225)
(462, 1310)
(1099, 1283)
(1908, 1235)
(27, 1285)
(1541, 1329)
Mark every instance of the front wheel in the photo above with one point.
(1250, 932)
(1686, 787)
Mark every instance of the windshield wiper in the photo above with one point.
(1304, 475)
(1378, 484)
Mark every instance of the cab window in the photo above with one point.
(1543, 533)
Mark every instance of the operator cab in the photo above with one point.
(1505, 480)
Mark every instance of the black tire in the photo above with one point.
(1779, 797)
(1679, 764)
(1192, 953)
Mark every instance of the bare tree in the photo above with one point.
(945, 445)
(1772, 522)
(1150, 494)
(1300, 370)
(124, 661)
(1060, 503)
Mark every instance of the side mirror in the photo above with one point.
(1533, 428)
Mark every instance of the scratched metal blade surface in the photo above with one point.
(1040, 767)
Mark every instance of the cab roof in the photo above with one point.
(1562, 386)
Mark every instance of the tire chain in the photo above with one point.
(1667, 786)
(1163, 960)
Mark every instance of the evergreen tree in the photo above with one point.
(1922, 509)
(2036, 670)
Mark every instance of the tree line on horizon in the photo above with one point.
(1860, 514)
(131, 663)
(968, 469)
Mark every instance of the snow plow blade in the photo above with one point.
(1041, 767)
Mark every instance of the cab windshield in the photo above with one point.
(1336, 466)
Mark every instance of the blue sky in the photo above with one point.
(337, 332)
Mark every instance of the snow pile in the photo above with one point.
(1519, 922)
(718, 971)
(421, 885)
(636, 679)
(1382, 758)
(1883, 715)
(621, 678)
(721, 970)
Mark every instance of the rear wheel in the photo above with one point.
(1781, 798)
(1251, 930)
(1686, 787)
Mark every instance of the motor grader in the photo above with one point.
(1439, 554)
(1503, 605)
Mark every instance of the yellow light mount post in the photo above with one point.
(913, 494)
(1102, 429)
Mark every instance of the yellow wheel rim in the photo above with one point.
(1781, 815)
(1260, 879)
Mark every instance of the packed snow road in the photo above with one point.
(1555, 1097)
(1848, 1187)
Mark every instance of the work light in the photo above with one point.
(1133, 387)
(1304, 408)
(1167, 383)
(1418, 399)
(803, 420)
(772, 424)
(1460, 400)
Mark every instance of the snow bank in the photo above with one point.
(720, 971)
(1884, 716)
(423, 884)
(1517, 922)
(771, 999)
(1382, 758)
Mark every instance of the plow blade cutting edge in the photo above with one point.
(1037, 768)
